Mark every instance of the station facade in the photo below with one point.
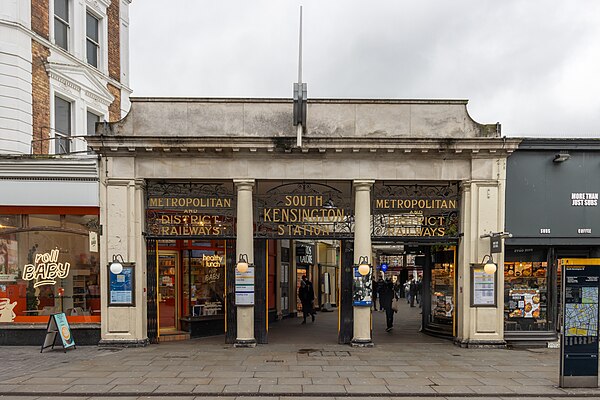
(188, 187)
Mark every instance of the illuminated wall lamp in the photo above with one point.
(489, 267)
(363, 265)
(116, 266)
(242, 264)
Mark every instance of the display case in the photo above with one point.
(442, 289)
(525, 296)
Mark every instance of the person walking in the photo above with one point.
(375, 285)
(413, 292)
(420, 291)
(306, 293)
(386, 295)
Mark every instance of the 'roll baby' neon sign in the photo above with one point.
(46, 269)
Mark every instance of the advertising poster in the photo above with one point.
(244, 287)
(362, 290)
(64, 330)
(9, 270)
(524, 303)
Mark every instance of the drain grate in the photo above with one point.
(274, 361)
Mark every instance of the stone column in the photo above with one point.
(362, 247)
(245, 245)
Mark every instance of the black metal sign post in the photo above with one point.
(579, 339)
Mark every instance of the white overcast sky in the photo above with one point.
(532, 65)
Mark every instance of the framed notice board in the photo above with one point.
(483, 287)
(121, 287)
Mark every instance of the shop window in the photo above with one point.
(9, 222)
(442, 288)
(526, 296)
(92, 42)
(43, 221)
(204, 280)
(61, 23)
(45, 271)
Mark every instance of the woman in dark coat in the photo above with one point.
(386, 295)
(306, 293)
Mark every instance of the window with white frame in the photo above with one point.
(92, 42)
(61, 23)
(91, 123)
(62, 125)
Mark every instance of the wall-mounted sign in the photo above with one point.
(483, 287)
(244, 287)
(415, 210)
(304, 209)
(362, 288)
(305, 254)
(584, 199)
(121, 286)
(190, 209)
(46, 269)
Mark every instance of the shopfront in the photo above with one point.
(552, 213)
(367, 172)
(49, 254)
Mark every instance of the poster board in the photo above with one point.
(483, 287)
(244, 287)
(121, 287)
(362, 288)
(58, 326)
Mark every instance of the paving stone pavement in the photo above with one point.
(297, 363)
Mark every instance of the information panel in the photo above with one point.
(121, 287)
(579, 342)
(244, 287)
(483, 291)
(362, 294)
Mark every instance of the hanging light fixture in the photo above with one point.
(363, 265)
(242, 264)
(116, 266)
(489, 267)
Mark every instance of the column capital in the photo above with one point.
(363, 184)
(244, 184)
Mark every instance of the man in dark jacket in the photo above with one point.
(386, 295)
(306, 293)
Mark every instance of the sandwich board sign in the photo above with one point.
(58, 326)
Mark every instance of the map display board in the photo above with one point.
(579, 342)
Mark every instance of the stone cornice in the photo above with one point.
(425, 147)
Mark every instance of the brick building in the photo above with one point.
(64, 65)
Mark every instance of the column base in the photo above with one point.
(481, 344)
(362, 343)
(245, 343)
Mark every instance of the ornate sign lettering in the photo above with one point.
(304, 209)
(418, 210)
(200, 210)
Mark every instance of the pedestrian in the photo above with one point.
(420, 291)
(374, 289)
(413, 292)
(407, 291)
(306, 293)
(386, 295)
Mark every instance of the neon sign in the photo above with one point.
(46, 269)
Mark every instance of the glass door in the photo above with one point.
(168, 265)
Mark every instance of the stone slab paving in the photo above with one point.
(401, 365)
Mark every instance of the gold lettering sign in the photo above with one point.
(414, 204)
(303, 215)
(188, 202)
